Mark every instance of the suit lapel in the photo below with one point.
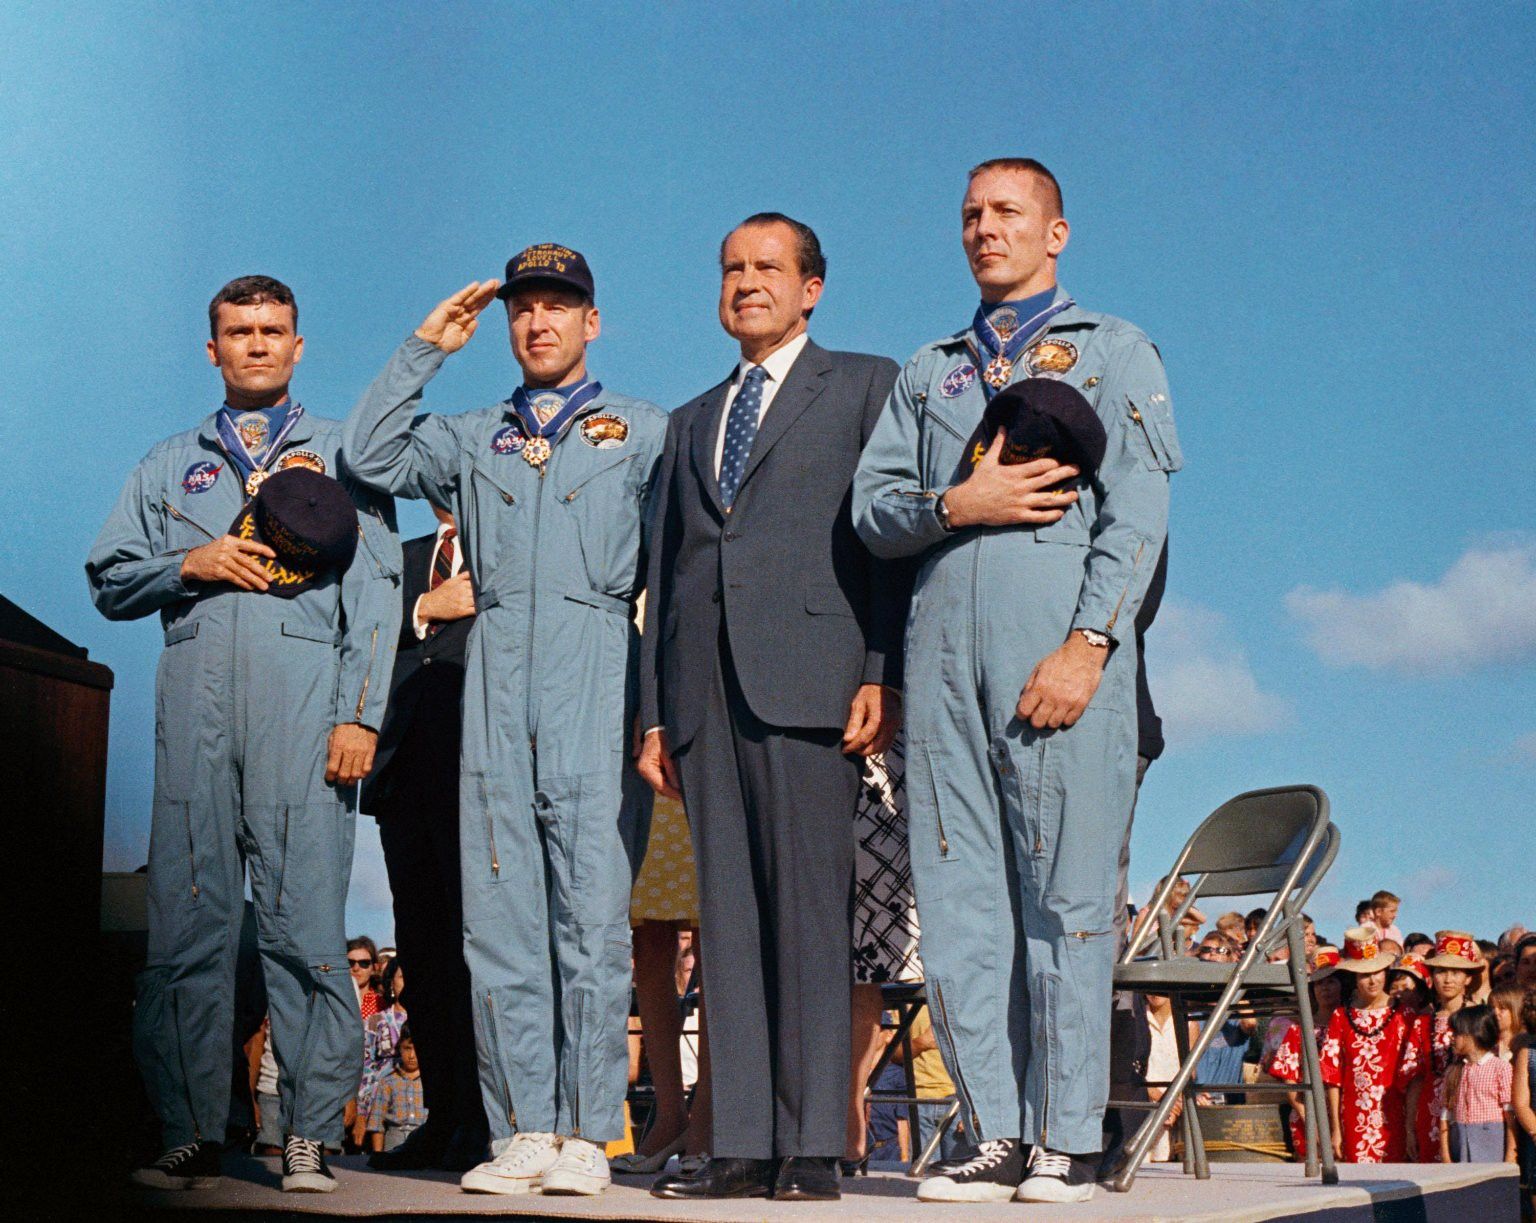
(706, 428)
(804, 382)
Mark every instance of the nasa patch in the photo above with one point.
(509, 440)
(958, 381)
(200, 477)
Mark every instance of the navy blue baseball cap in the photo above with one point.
(549, 263)
(308, 520)
(1046, 418)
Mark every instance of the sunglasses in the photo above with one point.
(359, 963)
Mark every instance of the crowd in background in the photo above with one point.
(1428, 1057)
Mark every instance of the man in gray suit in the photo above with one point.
(772, 664)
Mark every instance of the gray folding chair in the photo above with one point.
(1277, 843)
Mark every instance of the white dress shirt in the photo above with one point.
(417, 623)
(776, 366)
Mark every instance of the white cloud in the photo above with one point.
(1482, 611)
(1201, 682)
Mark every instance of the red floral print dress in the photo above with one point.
(1433, 1033)
(1286, 1066)
(1368, 1056)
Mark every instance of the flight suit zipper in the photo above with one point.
(1135, 564)
(949, 1034)
(180, 517)
(493, 1036)
(373, 649)
(186, 811)
(571, 496)
(490, 836)
(283, 865)
(533, 615)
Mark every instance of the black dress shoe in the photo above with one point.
(720, 1178)
(807, 1178)
(422, 1149)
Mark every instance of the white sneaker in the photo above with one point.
(582, 1169)
(518, 1169)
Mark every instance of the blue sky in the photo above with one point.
(1322, 216)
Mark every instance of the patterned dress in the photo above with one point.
(884, 912)
(1286, 1066)
(667, 889)
(381, 1034)
(1368, 1056)
(1433, 1035)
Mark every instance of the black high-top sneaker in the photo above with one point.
(193, 1165)
(304, 1169)
(1055, 1176)
(992, 1174)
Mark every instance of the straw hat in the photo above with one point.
(1362, 952)
(1325, 962)
(1456, 949)
(1413, 966)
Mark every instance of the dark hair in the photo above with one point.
(813, 264)
(1363, 910)
(250, 291)
(405, 1035)
(1478, 1022)
(1523, 946)
(1256, 916)
(387, 972)
(1418, 936)
(1488, 949)
(1528, 1014)
(1025, 165)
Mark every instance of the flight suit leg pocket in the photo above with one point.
(933, 815)
(176, 864)
(581, 817)
(1023, 760)
(303, 903)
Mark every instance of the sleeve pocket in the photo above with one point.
(1152, 421)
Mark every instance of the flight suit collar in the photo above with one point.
(1072, 316)
(303, 429)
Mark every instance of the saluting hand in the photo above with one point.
(453, 321)
(996, 494)
(228, 559)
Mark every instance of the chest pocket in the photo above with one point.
(602, 511)
(183, 532)
(381, 545)
(1152, 421)
(945, 443)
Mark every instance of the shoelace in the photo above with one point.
(177, 1155)
(1050, 1163)
(302, 1155)
(988, 1155)
(525, 1148)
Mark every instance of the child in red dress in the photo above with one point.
(1367, 1059)
(1453, 969)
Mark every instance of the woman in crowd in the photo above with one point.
(663, 907)
(362, 963)
(1367, 1059)
(1327, 992)
(884, 927)
(1523, 1097)
(1506, 1002)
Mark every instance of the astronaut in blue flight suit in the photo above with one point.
(551, 490)
(1021, 670)
(266, 711)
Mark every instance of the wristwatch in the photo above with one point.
(941, 511)
(1094, 638)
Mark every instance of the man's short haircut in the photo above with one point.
(1026, 165)
(1385, 897)
(251, 291)
(813, 264)
(1480, 1023)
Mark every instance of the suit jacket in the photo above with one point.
(808, 612)
(422, 723)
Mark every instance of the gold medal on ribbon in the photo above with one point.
(255, 480)
(997, 373)
(536, 452)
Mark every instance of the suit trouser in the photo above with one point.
(420, 837)
(771, 810)
(300, 860)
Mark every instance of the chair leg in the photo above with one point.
(925, 1156)
(1319, 1128)
(1194, 1137)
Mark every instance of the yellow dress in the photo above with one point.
(666, 889)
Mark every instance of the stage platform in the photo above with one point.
(1236, 1193)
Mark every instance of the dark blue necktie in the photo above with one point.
(740, 429)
